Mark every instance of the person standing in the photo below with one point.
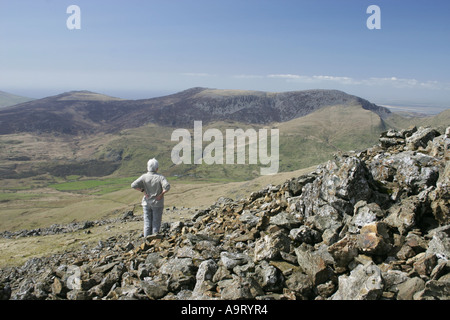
(154, 186)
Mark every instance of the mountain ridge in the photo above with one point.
(8, 99)
(79, 112)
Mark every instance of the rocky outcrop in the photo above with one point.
(364, 226)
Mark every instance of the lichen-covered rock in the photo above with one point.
(364, 283)
(420, 138)
(270, 246)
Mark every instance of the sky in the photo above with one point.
(138, 49)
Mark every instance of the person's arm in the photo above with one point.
(138, 185)
(165, 186)
(141, 190)
(161, 195)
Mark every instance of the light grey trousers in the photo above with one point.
(152, 219)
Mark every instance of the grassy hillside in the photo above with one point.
(8, 99)
(303, 142)
(315, 138)
(440, 121)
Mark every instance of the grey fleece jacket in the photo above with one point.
(153, 183)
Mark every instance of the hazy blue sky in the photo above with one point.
(140, 48)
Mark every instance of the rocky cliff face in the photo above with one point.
(367, 225)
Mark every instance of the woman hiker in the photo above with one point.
(154, 186)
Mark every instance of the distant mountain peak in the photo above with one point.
(85, 95)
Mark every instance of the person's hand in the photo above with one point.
(159, 196)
